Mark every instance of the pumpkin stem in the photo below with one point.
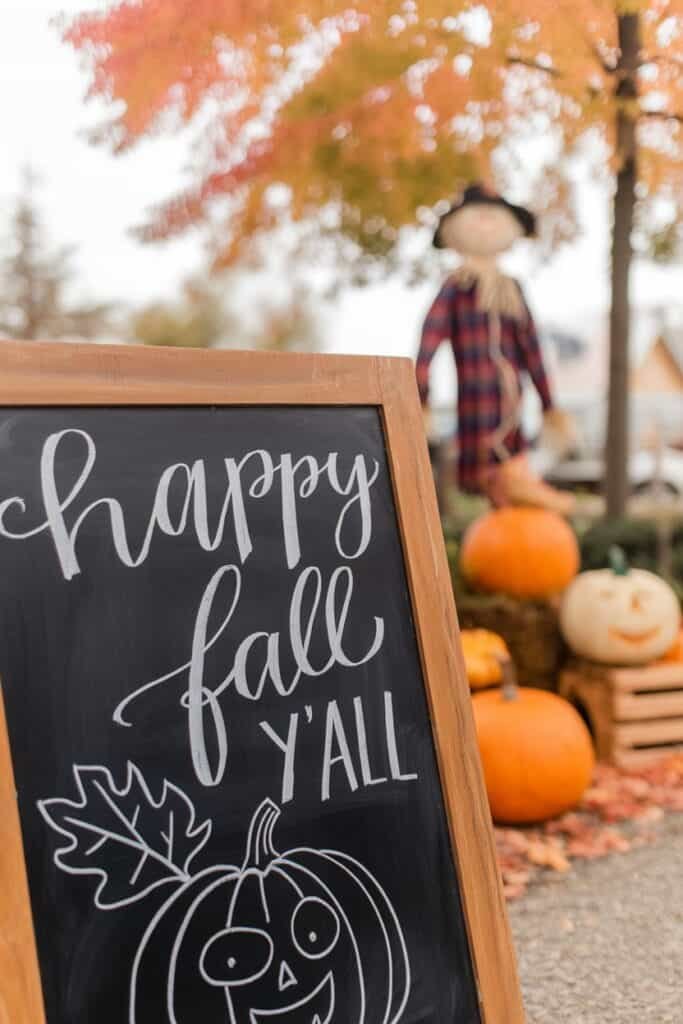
(509, 684)
(617, 560)
(260, 849)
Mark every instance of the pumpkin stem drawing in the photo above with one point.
(260, 847)
(308, 936)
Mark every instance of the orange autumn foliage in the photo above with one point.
(619, 812)
(376, 109)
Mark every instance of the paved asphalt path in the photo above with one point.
(604, 945)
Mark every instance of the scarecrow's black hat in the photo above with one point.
(482, 194)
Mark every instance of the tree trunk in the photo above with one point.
(618, 419)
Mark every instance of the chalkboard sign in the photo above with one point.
(247, 784)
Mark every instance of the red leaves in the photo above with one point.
(637, 799)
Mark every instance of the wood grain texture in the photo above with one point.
(21, 999)
(597, 700)
(642, 758)
(663, 676)
(54, 373)
(649, 677)
(63, 374)
(449, 698)
(629, 707)
(662, 730)
(636, 714)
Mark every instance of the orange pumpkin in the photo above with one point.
(483, 652)
(523, 552)
(536, 752)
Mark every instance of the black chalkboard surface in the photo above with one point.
(229, 795)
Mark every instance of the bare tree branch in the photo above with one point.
(534, 65)
(552, 71)
(662, 115)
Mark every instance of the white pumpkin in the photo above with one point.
(619, 616)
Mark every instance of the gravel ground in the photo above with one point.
(604, 945)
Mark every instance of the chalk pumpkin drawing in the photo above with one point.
(302, 937)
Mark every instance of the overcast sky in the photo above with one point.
(91, 199)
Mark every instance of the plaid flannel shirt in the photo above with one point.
(455, 315)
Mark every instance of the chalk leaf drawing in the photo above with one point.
(305, 936)
(149, 842)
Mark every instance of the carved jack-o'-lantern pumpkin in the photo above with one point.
(304, 937)
(619, 616)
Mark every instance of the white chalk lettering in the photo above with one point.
(249, 677)
(363, 754)
(334, 733)
(358, 480)
(247, 479)
(392, 746)
(288, 747)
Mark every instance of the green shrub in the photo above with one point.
(637, 538)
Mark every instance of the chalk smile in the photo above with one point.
(315, 1008)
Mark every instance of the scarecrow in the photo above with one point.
(485, 316)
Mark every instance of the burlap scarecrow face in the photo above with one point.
(484, 230)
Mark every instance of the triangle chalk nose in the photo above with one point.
(286, 977)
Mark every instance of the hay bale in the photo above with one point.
(530, 629)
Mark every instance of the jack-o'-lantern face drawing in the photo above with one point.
(620, 617)
(284, 967)
(303, 937)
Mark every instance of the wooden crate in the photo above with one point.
(636, 714)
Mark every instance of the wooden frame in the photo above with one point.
(38, 374)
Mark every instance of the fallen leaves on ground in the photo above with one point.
(615, 815)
